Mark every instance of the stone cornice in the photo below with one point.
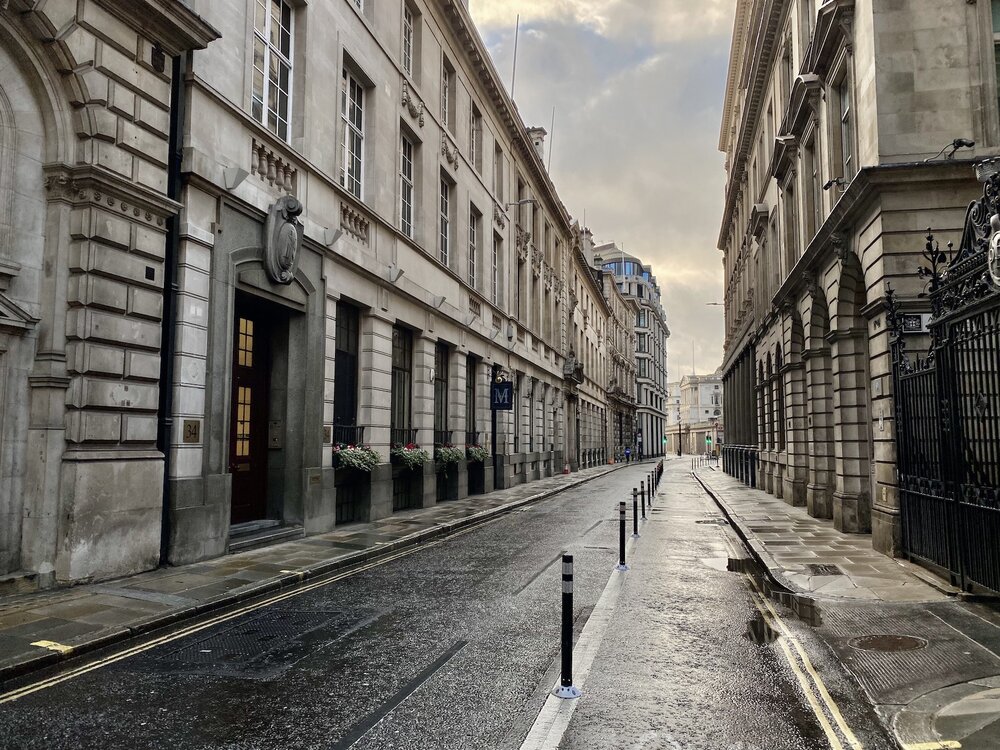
(866, 186)
(803, 104)
(481, 62)
(100, 186)
(834, 25)
(169, 23)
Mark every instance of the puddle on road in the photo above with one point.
(803, 606)
(758, 631)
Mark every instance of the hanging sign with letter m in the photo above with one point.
(502, 396)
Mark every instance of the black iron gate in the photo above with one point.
(947, 405)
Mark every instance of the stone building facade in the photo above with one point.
(433, 262)
(694, 414)
(87, 211)
(586, 369)
(840, 127)
(637, 282)
(621, 367)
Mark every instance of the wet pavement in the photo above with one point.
(928, 659)
(84, 617)
(455, 644)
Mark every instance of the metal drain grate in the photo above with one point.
(250, 639)
(824, 570)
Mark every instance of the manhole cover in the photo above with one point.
(888, 643)
(716, 521)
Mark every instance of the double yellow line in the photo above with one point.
(827, 712)
(128, 653)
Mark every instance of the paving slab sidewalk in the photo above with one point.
(944, 694)
(82, 618)
(808, 555)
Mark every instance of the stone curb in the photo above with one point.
(757, 550)
(276, 583)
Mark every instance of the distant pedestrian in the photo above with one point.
(628, 455)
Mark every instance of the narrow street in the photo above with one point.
(456, 645)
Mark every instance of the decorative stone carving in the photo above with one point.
(416, 109)
(449, 152)
(499, 217)
(537, 258)
(994, 256)
(283, 239)
(840, 247)
(354, 222)
(572, 300)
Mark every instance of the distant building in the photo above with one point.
(694, 414)
(636, 281)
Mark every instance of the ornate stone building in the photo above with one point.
(88, 210)
(621, 364)
(694, 414)
(237, 238)
(637, 282)
(840, 127)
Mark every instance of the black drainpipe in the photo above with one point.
(165, 424)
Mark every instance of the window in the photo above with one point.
(846, 129)
(475, 225)
(345, 396)
(272, 65)
(471, 366)
(352, 112)
(402, 378)
(444, 206)
(408, 40)
(441, 356)
(476, 138)
(406, 186)
(447, 94)
(498, 172)
(813, 195)
(495, 270)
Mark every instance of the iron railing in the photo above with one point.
(442, 437)
(400, 436)
(345, 434)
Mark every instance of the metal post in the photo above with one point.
(621, 535)
(644, 505)
(566, 688)
(635, 512)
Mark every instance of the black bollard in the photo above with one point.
(649, 483)
(621, 536)
(566, 688)
(644, 506)
(635, 513)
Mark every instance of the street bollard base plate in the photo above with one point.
(622, 567)
(567, 691)
(636, 535)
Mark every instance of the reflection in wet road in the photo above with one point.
(456, 646)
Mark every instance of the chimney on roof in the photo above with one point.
(537, 136)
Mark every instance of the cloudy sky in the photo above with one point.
(638, 87)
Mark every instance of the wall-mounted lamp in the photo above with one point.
(233, 176)
(394, 273)
(838, 181)
(330, 236)
(525, 202)
(438, 301)
(955, 145)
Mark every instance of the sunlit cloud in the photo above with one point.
(637, 93)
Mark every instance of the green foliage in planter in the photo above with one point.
(449, 454)
(477, 453)
(360, 457)
(412, 456)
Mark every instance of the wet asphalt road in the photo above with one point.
(457, 644)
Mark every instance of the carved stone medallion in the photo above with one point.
(283, 239)
(994, 259)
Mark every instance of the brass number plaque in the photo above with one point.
(192, 431)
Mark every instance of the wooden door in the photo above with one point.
(248, 426)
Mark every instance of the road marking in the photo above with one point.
(942, 745)
(53, 646)
(14, 695)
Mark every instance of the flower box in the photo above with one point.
(449, 454)
(410, 456)
(477, 453)
(359, 457)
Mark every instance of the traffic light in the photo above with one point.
(664, 439)
(708, 440)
